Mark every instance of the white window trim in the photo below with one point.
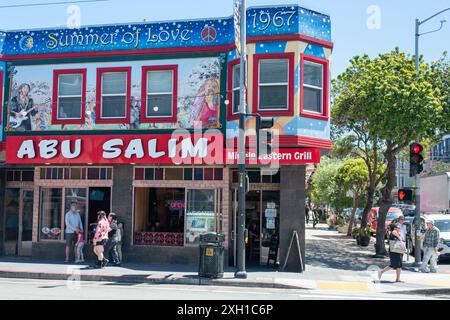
(272, 84)
(69, 96)
(315, 87)
(115, 95)
(234, 89)
(165, 93)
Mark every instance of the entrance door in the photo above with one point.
(99, 200)
(18, 222)
(26, 223)
(262, 211)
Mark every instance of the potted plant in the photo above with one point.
(364, 236)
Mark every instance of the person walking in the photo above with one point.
(100, 239)
(120, 227)
(307, 214)
(430, 248)
(113, 240)
(73, 223)
(395, 258)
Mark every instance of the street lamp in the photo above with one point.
(417, 251)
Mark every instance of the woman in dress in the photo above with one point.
(395, 258)
(100, 239)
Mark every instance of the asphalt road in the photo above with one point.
(19, 289)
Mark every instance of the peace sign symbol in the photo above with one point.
(209, 34)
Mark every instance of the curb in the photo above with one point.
(144, 280)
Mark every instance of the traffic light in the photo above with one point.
(405, 195)
(263, 135)
(415, 159)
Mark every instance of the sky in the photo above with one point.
(358, 26)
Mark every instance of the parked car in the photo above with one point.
(442, 222)
(393, 214)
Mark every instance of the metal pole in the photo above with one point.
(240, 272)
(417, 246)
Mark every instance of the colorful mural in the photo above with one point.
(30, 105)
(261, 21)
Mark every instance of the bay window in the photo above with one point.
(314, 87)
(274, 84)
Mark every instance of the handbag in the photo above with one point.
(397, 246)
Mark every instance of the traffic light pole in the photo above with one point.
(240, 255)
(417, 245)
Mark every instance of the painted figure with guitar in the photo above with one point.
(23, 109)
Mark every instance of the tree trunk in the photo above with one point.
(386, 202)
(368, 206)
(352, 218)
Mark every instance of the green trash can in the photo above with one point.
(211, 255)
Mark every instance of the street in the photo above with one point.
(14, 289)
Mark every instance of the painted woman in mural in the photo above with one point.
(205, 107)
(135, 115)
(22, 109)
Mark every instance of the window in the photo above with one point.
(234, 90)
(50, 209)
(113, 95)
(314, 87)
(200, 214)
(178, 174)
(102, 173)
(69, 96)
(159, 94)
(20, 176)
(274, 84)
(159, 216)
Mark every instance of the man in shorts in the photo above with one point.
(73, 226)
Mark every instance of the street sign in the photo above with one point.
(237, 9)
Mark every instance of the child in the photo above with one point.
(80, 246)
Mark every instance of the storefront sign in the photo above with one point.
(103, 149)
(277, 156)
(177, 148)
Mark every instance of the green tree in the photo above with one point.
(395, 104)
(323, 188)
(353, 177)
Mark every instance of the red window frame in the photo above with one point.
(173, 118)
(230, 114)
(291, 82)
(56, 74)
(98, 109)
(326, 88)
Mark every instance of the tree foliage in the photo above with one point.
(386, 105)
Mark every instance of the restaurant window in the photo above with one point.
(51, 173)
(69, 96)
(159, 216)
(20, 175)
(274, 84)
(159, 85)
(113, 95)
(314, 87)
(178, 174)
(51, 227)
(200, 214)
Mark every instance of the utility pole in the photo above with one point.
(240, 272)
(417, 246)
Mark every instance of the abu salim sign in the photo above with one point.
(165, 149)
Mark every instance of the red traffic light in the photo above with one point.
(416, 148)
(405, 195)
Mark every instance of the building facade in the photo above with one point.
(142, 120)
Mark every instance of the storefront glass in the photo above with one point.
(50, 213)
(200, 214)
(77, 195)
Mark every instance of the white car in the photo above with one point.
(442, 222)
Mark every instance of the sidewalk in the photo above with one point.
(334, 263)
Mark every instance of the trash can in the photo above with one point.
(211, 255)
